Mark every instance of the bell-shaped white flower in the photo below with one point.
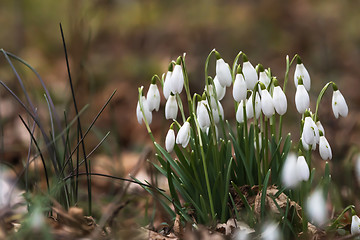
(302, 167)
(280, 101)
(325, 149)
(202, 114)
(220, 90)
(223, 71)
(249, 106)
(267, 105)
(310, 133)
(249, 72)
(183, 136)
(170, 140)
(355, 225)
(167, 82)
(177, 79)
(301, 72)
(171, 108)
(239, 88)
(240, 112)
(153, 97)
(147, 112)
(289, 172)
(316, 208)
(217, 112)
(339, 105)
(302, 100)
(263, 77)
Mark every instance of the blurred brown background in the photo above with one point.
(120, 44)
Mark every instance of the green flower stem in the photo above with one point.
(234, 68)
(181, 107)
(321, 94)
(205, 167)
(246, 136)
(207, 64)
(186, 85)
(286, 78)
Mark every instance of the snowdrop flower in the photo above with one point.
(239, 88)
(223, 71)
(183, 136)
(263, 77)
(301, 72)
(289, 172)
(249, 72)
(320, 127)
(153, 97)
(171, 108)
(202, 114)
(147, 112)
(355, 225)
(302, 167)
(316, 208)
(267, 104)
(310, 134)
(177, 78)
(249, 106)
(279, 99)
(306, 146)
(325, 149)
(339, 105)
(302, 100)
(170, 140)
(220, 90)
(271, 232)
(218, 112)
(167, 82)
(240, 112)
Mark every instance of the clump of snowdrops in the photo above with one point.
(206, 158)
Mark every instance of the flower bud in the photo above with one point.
(301, 72)
(170, 140)
(203, 115)
(267, 104)
(171, 108)
(167, 82)
(223, 71)
(302, 100)
(250, 74)
(339, 105)
(240, 112)
(153, 97)
(280, 101)
(325, 149)
(302, 167)
(177, 80)
(239, 88)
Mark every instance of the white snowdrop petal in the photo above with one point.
(177, 80)
(302, 100)
(267, 104)
(220, 90)
(171, 108)
(250, 75)
(223, 73)
(339, 105)
(325, 149)
(239, 88)
(300, 71)
(167, 84)
(316, 208)
(170, 140)
(303, 169)
(153, 97)
(280, 101)
(289, 172)
(355, 225)
(240, 112)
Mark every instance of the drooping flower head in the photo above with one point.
(223, 71)
(239, 88)
(183, 136)
(170, 140)
(301, 72)
(167, 81)
(250, 108)
(279, 99)
(249, 72)
(263, 77)
(142, 103)
(310, 134)
(324, 148)
(153, 96)
(203, 114)
(177, 78)
(302, 99)
(339, 105)
(267, 105)
(171, 107)
(220, 90)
